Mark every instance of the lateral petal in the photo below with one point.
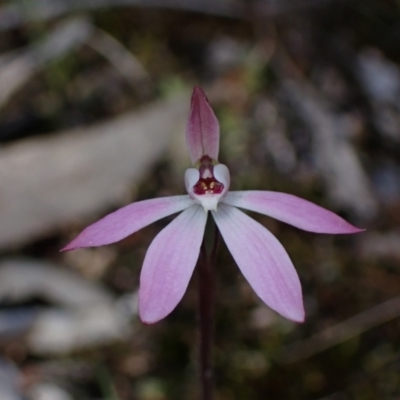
(262, 260)
(202, 129)
(169, 264)
(291, 209)
(127, 220)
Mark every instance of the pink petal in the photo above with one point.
(291, 209)
(262, 260)
(169, 264)
(127, 220)
(202, 129)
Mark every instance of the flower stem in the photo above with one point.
(206, 311)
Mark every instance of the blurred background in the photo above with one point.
(94, 97)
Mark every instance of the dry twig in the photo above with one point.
(341, 332)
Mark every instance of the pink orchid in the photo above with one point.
(172, 256)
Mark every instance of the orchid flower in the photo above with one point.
(173, 254)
